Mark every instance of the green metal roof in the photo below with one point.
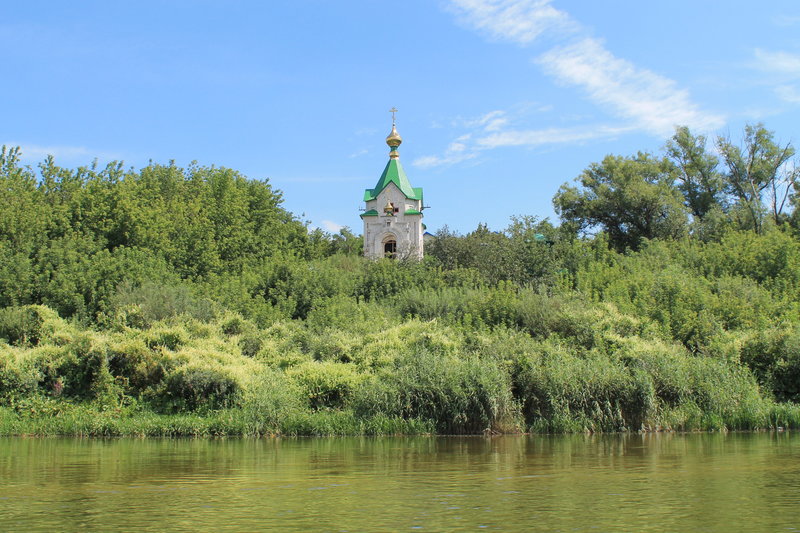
(370, 213)
(412, 212)
(394, 173)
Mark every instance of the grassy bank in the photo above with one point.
(46, 418)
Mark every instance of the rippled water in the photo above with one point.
(697, 482)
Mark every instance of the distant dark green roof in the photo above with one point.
(370, 213)
(412, 212)
(394, 173)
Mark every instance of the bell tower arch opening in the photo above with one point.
(390, 247)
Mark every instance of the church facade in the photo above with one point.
(393, 214)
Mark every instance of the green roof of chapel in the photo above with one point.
(394, 173)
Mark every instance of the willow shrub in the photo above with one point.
(460, 395)
(561, 391)
(20, 374)
(774, 357)
(28, 325)
(694, 292)
(631, 383)
(270, 402)
(144, 304)
(569, 316)
(692, 392)
(137, 366)
(197, 386)
(326, 384)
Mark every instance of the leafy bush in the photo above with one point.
(774, 357)
(197, 386)
(142, 305)
(269, 401)
(27, 325)
(136, 366)
(562, 391)
(326, 384)
(19, 374)
(469, 395)
(84, 370)
(166, 336)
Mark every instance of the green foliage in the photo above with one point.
(83, 369)
(460, 394)
(326, 384)
(699, 180)
(19, 374)
(136, 365)
(384, 279)
(630, 198)
(774, 356)
(69, 238)
(523, 253)
(193, 387)
(26, 325)
(270, 401)
(635, 197)
(562, 391)
(142, 305)
(755, 168)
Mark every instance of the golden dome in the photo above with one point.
(394, 140)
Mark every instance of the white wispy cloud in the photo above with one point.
(652, 102)
(519, 21)
(430, 161)
(489, 131)
(34, 152)
(788, 93)
(358, 153)
(331, 226)
(533, 138)
(636, 98)
(491, 121)
(784, 68)
(469, 146)
(461, 149)
(316, 179)
(785, 21)
(778, 61)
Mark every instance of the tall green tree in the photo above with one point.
(630, 198)
(758, 168)
(698, 176)
(24, 215)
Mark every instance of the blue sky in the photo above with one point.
(501, 101)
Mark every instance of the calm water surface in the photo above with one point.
(704, 482)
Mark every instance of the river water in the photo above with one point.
(654, 482)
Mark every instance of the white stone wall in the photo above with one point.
(406, 229)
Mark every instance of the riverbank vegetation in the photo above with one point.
(170, 301)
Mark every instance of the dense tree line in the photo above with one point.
(68, 238)
(188, 301)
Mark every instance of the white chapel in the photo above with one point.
(393, 217)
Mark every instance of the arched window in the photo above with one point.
(390, 249)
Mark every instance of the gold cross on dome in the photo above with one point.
(393, 110)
